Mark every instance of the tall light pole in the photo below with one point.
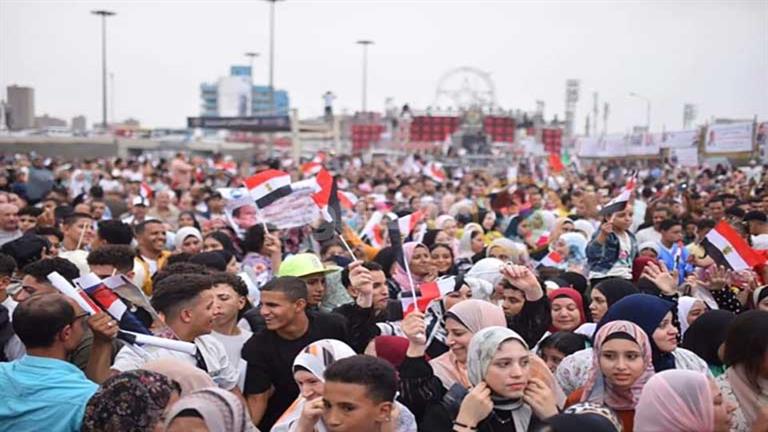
(647, 110)
(272, 55)
(104, 14)
(365, 44)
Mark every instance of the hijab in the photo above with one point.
(577, 246)
(482, 348)
(684, 306)
(517, 252)
(465, 244)
(615, 289)
(487, 269)
(392, 349)
(220, 409)
(646, 311)
(580, 422)
(182, 235)
(314, 358)
(707, 333)
(400, 275)
(759, 294)
(188, 377)
(571, 294)
(475, 315)
(132, 401)
(676, 400)
(597, 388)
(638, 265)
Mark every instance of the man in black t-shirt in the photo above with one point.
(269, 385)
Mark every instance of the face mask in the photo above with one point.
(341, 261)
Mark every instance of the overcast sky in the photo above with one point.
(712, 54)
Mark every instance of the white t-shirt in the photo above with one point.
(648, 235)
(233, 345)
(623, 266)
(215, 355)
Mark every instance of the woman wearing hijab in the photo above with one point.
(133, 401)
(386, 258)
(682, 401)
(654, 316)
(489, 221)
(188, 219)
(211, 409)
(744, 382)
(507, 250)
(188, 240)
(308, 371)
(706, 338)
(218, 240)
(419, 263)
(512, 390)
(620, 368)
(606, 293)
(688, 310)
(189, 378)
(470, 246)
(567, 309)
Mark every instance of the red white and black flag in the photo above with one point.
(619, 203)
(269, 186)
(729, 249)
(327, 199)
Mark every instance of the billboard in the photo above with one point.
(234, 96)
(249, 124)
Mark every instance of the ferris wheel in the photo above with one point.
(466, 87)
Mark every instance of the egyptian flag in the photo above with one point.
(311, 168)
(408, 222)
(347, 199)
(620, 202)
(269, 186)
(425, 293)
(435, 171)
(729, 249)
(145, 190)
(372, 230)
(553, 259)
(327, 199)
(112, 304)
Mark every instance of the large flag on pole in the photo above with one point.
(327, 199)
(619, 203)
(269, 186)
(435, 171)
(408, 222)
(729, 249)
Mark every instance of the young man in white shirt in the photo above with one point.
(186, 301)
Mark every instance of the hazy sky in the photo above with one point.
(713, 54)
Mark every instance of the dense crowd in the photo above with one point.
(611, 296)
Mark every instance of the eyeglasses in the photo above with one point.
(77, 317)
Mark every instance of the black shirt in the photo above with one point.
(270, 362)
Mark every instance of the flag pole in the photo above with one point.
(410, 281)
(346, 246)
(82, 235)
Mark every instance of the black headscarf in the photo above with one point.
(707, 333)
(615, 289)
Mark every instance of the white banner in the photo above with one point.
(729, 138)
(686, 157)
(295, 210)
(680, 139)
(643, 144)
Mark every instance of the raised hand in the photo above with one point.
(361, 284)
(523, 278)
(540, 398)
(415, 329)
(718, 281)
(104, 328)
(476, 406)
(659, 275)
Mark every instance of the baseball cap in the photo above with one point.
(140, 201)
(304, 264)
(755, 215)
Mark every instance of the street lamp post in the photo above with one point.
(272, 55)
(647, 110)
(104, 14)
(365, 44)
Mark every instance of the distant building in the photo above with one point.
(47, 121)
(79, 124)
(236, 96)
(21, 107)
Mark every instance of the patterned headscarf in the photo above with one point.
(132, 401)
(317, 356)
(220, 409)
(597, 389)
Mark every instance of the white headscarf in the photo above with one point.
(684, 306)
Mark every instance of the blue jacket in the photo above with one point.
(601, 257)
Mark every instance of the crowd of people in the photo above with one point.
(542, 301)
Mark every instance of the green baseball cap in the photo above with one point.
(304, 264)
